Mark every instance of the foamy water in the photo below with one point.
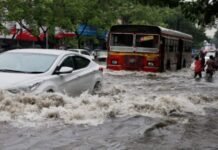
(123, 94)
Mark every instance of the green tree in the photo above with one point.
(46, 15)
(160, 3)
(204, 12)
(215, 39)
(43, 15)
(150, 13)
(177, 21)
(2, 13)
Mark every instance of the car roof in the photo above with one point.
(42, 51)
(77, 49)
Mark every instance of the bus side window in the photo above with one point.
(156, 42)
(184, 47)
(171, 46)
(166, 45)
(187, 47)
(176, 45)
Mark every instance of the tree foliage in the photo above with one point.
(204, 12)
(160, 3)
(46, 15)
(177, 21)
(215, 39)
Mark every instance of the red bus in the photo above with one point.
(147, 48)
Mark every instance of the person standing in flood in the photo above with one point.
(210, 66)
(197, 67)
(202, 55)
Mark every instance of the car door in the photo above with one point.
(69, 83)
(85, 73)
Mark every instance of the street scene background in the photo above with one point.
(134, 110)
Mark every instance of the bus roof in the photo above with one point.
(150, 30)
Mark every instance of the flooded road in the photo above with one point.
(133, 111)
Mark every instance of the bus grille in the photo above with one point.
(134, 62)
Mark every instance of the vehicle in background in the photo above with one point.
(83, 52)
(148, 48)
(100, 54)
(40, 70)
(208, 54)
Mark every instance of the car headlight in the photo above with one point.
(29, 88)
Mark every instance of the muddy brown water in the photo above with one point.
(134, 111)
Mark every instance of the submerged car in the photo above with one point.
(41, 70)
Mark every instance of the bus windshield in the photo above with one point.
(147, 41)
(122, 40)
(139, 41)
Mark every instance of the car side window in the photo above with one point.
(85, 53)
(68, 62)
(80, 62)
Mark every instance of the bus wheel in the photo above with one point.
(168, 65)
(184, 63)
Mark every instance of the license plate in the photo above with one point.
(132, 60)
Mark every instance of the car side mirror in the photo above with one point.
(64, 70)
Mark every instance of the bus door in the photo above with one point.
(179, 55)
(162, 54)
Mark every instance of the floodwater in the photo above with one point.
(133, 111)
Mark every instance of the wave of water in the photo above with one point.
(123, 94)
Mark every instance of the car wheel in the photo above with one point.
(97, 88)
(50, 91)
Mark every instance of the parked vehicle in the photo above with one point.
(41, 70)
(82, 52)
(100, 54)
(208, 54)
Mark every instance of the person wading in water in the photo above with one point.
(210, 67)
(197, 67)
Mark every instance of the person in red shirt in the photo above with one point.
(198, 67)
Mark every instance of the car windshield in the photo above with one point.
(26, 62)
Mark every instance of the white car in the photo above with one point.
(41, 70)
(101, 55)
(82, 52)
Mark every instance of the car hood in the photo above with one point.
(10, 80)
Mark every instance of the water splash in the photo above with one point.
(123, 94)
